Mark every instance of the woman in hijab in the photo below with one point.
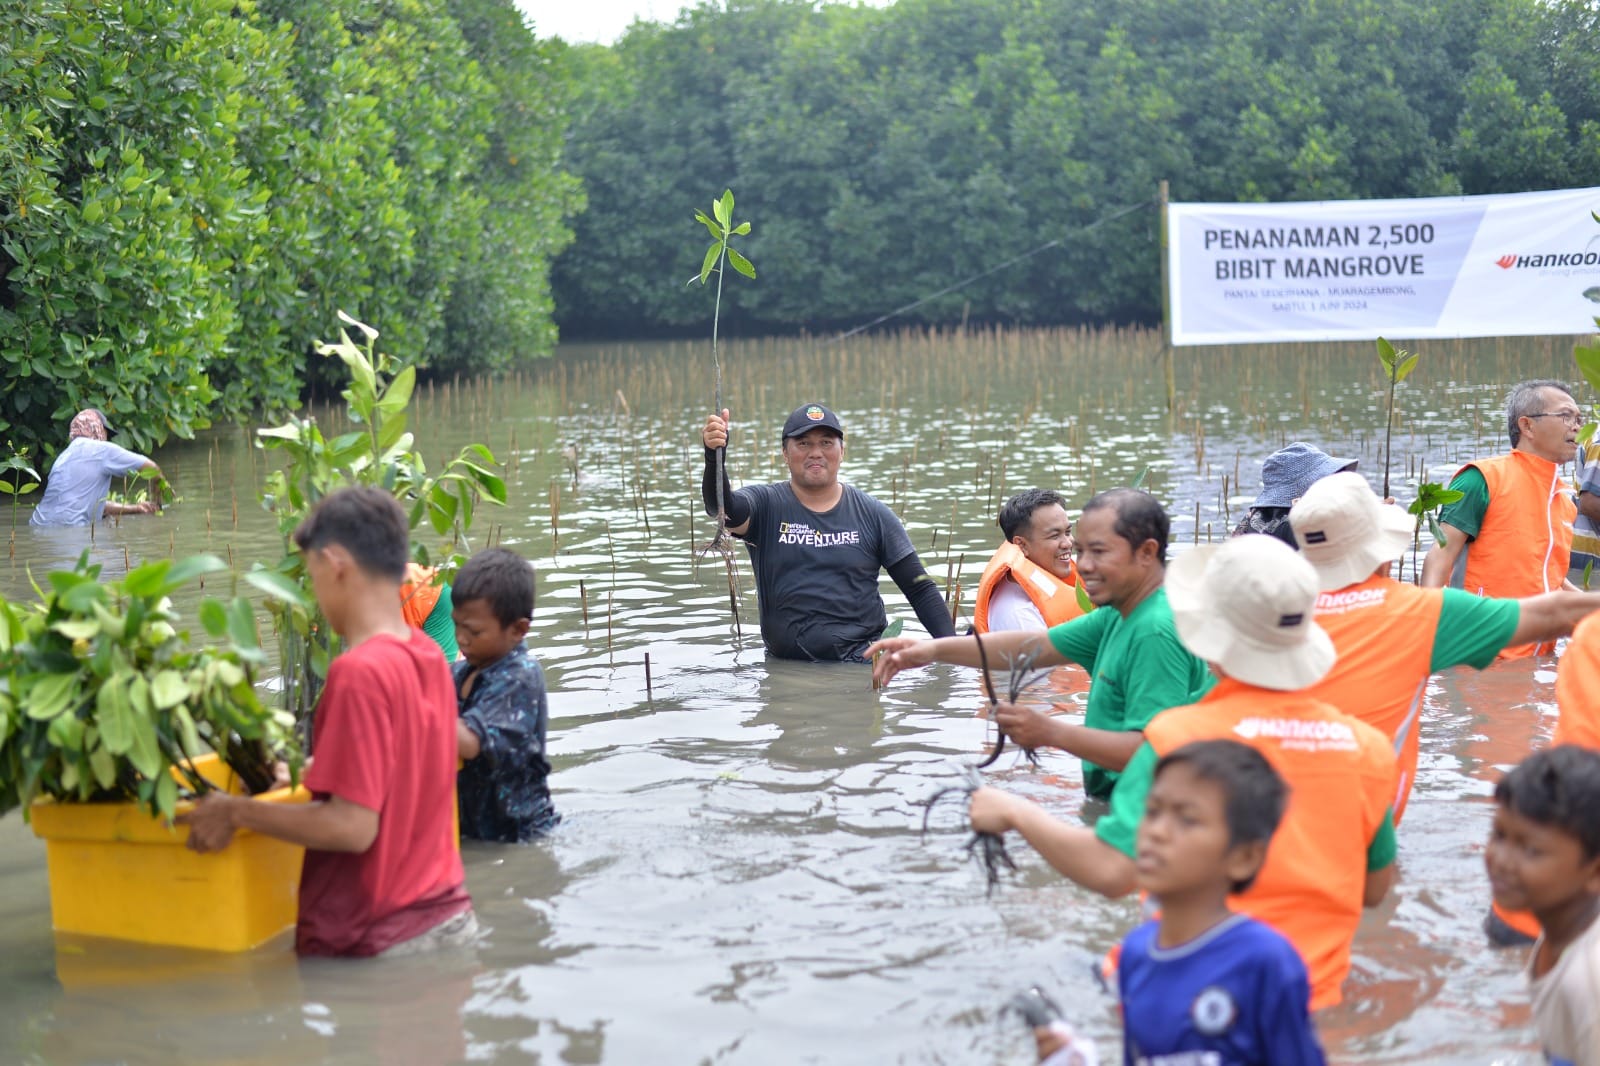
(75, 494)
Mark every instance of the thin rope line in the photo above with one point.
(1130, 209)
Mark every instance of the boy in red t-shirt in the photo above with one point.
(382, 873)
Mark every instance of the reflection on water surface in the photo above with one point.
(739, 876)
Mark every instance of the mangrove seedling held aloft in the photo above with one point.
(719, 255)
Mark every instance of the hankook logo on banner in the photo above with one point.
(1467, 266)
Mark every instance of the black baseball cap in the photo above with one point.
(809, 416)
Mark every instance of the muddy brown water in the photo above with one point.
(739, 876)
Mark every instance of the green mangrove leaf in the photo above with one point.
(1138, 482)
(77, 630)
(741, 264)
(139, 695)
(398, 394)
(741, 230)
(212, 615)
(143, 752)
(1436, 529)
(103, 766)
(242, 625)
(1085, 604)
(167, 690)
(710, 261)
(166, 796)
(114, 716)
(186, 570)
(893, 629)
(1386, 356)
(50, 695)
(66, 732)
(1406, 366)
(188, 735)
(273, 584)
(723, 208)
(1588, 360)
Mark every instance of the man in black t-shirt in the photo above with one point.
(817, 546)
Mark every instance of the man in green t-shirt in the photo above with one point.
(1129, 647)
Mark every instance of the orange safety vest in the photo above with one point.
(1525, 543)
(1577, 676)
(1057, 600)
(1340, 773)
(419, 595)
(1383, 631)
(1578, 687)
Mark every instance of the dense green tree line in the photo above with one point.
(189, 190)
(885, 153)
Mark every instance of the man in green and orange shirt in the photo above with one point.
(1245, 607)
(1514, 523)
(1392, 636)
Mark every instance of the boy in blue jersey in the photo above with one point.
(1203, 986)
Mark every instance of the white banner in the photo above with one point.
(1519, 264)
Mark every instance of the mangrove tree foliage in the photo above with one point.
(190, 189)
(890, 152)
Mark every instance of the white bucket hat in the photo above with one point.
(1246, 605)
(1346, 532)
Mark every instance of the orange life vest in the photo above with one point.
(1340, 773)
(1057, 600)
(1383, 631)
(1578, 687)
(418, 595)
(1577, 676)
(1525, 543)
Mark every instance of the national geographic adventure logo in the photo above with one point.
(802, 534)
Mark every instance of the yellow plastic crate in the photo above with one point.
(117, 872)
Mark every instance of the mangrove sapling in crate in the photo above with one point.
(720, 254)
(380, 452)
(104, 698)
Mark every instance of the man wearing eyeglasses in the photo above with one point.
(817, 546)
(1510, 535)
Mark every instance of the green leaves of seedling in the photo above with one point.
(722, 230)
(893, 628)
(1085, 604)
(1431, 496)
(1397, 366)
(1397, 362)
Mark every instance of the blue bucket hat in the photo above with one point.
(1289, 472)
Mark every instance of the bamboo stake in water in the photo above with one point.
(649, 696)
(583, 605)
